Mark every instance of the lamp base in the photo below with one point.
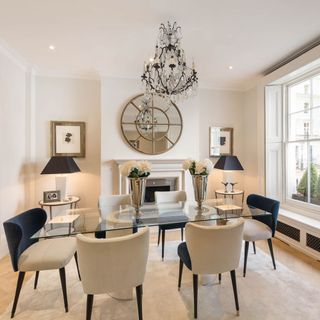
(61, 185)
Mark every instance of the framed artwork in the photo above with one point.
(68, 138)
(220, 141)
(51, 196)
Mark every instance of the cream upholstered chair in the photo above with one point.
(112, 202)
(29, 254)
(211, 250)
(108, 265)
(108, 205)
(260, 227)
(162, 197)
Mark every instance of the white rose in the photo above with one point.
(200, 168)
(187, 164)
(208, 164)
(145, 166)
(127, 167)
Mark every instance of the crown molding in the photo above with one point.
(14, 56)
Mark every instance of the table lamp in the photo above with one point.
(228, 163)
(61, 166)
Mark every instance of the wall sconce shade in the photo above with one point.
(228, 163)
(60, 165)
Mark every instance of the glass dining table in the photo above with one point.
(123, 218)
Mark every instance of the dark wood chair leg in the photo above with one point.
(62, 273)
(271, 252)
(235, 292)
(254, 247)
(159, 234)
(180, 274)
(36, 280)
(195, 295)
(139, 301)
(89, 306)
(181, 234)
(246, 248)
(18, 289)
(163, 241)
(76, 258)
(219, 277)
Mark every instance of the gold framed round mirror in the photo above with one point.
(151, 126)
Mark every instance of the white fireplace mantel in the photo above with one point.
(160, 168)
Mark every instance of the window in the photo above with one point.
(302, 141)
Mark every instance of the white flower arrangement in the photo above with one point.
(198, 167)
(135, 169)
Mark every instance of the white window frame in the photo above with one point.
(303, 208)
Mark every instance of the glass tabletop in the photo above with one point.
(217, 211)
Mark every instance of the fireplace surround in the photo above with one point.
(166, 174)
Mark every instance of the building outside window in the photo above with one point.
(302, 141)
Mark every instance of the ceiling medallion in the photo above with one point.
(167, 74)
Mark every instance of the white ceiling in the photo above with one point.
(113, 38)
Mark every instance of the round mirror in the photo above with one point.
(151, 126)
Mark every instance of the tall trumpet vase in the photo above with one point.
(200, 183)
(137, 191)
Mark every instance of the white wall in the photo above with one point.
(14, 136)
(67, 99)
(250, 141)
(221, 109)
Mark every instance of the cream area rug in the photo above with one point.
(265, 294)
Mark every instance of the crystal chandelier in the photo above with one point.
(167, 74)
(145, 120)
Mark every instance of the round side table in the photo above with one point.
(72, 201)
(230, 194)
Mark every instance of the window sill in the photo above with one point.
(310, 223)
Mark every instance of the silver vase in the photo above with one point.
(137, 191)
(200, 183)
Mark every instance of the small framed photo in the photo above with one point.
(51, 196)
(221, 142)
(68, 138)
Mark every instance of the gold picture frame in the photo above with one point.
(220, 141)
(68, 138)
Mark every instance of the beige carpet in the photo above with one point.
(264, 294)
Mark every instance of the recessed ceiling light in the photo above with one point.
(230, 67)
(51, 47)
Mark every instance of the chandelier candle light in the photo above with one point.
(137, 172)
(167, 74)
(199, 171)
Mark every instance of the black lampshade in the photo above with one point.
(228, 163)
(58, 165)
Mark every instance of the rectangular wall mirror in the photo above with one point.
(220, 141)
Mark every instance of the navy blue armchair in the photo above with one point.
(29, 254)
(260, 227)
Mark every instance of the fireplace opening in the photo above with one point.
(158, 184)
